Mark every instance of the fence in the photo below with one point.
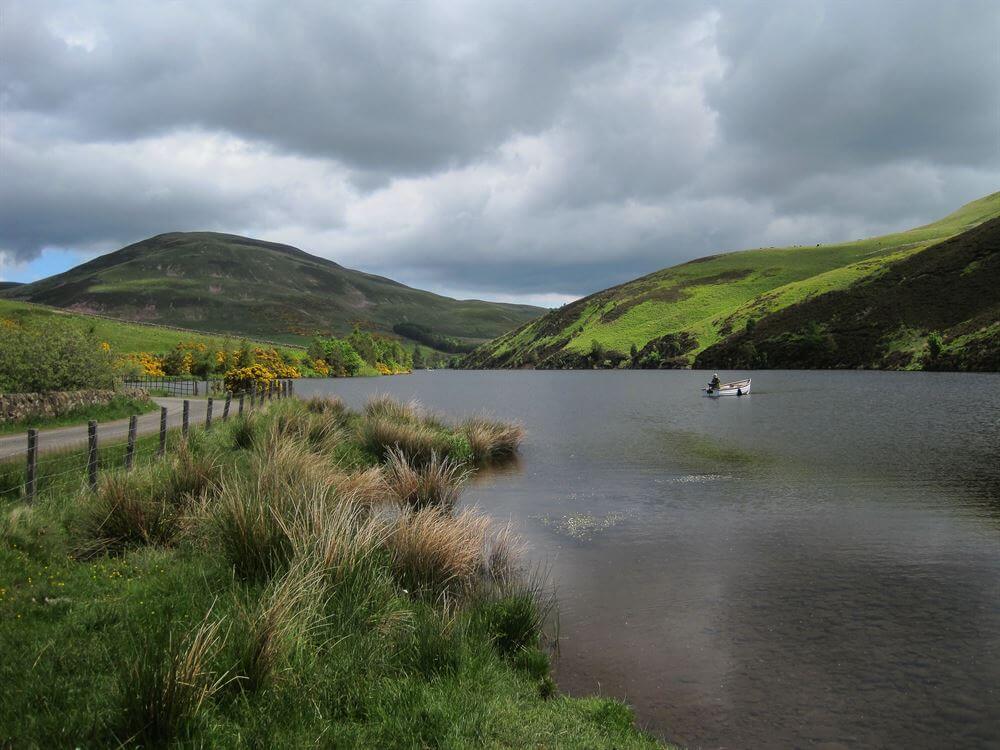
(174, 386)
(89, 463)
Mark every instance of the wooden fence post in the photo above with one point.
(225, 407)
(195, 387)
(185, 418)
(163, 432)
(92, 454)
(291, 388)
(30, 483)
(208, 414)
(133, 423)
(240, 411)
(253, 395)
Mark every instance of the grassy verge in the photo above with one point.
(118, 408)
(288, 579)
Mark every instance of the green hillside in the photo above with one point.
(670, 316)
(241, 286)
(123, 337)
(937, 309)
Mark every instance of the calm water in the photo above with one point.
(815, 565)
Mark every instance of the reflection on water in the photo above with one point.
(818, 564)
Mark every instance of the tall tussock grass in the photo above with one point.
(384, 405)
(330, 405)
(438, 482)
(492, 440)
(149, 505)
(277, 625)
(163, 687)
(434, 551)
(417, 442)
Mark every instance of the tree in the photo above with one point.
(597, 352)
(934, 345)
(418, 357)
(633, 352)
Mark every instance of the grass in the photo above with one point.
(286, 601)
(712, 297)
(119, 407)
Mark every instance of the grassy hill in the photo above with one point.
(672, 315)
(8, 285)
(937, 309)
(123, 337)
(230, 284)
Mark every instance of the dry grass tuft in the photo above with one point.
(384, 405)
(434, 551)
(492, 440)
(438, 482)
(417, 442)
(328, 405)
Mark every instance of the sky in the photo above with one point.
(515, 151)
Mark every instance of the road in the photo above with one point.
(61, 438)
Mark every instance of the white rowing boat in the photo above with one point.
(736, 388)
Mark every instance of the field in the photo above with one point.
(712, 297)
(282, 581)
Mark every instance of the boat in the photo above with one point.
(736, 388)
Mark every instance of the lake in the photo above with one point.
(817, 564)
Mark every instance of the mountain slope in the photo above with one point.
(671, 315)
(225, 283)
(938, 309)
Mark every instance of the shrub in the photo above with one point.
(56, 357)
(438, 482)
(243, 379)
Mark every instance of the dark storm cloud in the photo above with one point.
(497, 148)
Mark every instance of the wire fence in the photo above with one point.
(25, 475)
(175, 386)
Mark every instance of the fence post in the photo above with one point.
(225, 407)
(240, 412)
(130, 447)
(92, 453)
(208, 414)
(291, 388)
(163, 432)
(30, 484)
(253, 395)
(195, 387)
(185, 418)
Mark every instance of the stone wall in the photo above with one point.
(15, 407)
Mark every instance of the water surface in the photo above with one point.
(815, 565)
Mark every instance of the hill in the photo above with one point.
(246, 287)
(8, 285)
(672, 315)
(937, 309)
(122, 336)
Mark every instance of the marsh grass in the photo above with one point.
(436, 483)
(492, 440)
(164, 686)
(332, 611)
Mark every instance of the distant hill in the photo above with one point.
(671, 316)
(8, 285)
(229, 284)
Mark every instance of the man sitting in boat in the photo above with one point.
(714, 383)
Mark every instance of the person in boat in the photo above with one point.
(714, 383)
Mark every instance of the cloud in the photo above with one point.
(507, 150)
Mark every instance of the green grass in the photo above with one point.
(244, 287)
(118, 408)
(711, 297)
(124, 337)
(164, 642)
